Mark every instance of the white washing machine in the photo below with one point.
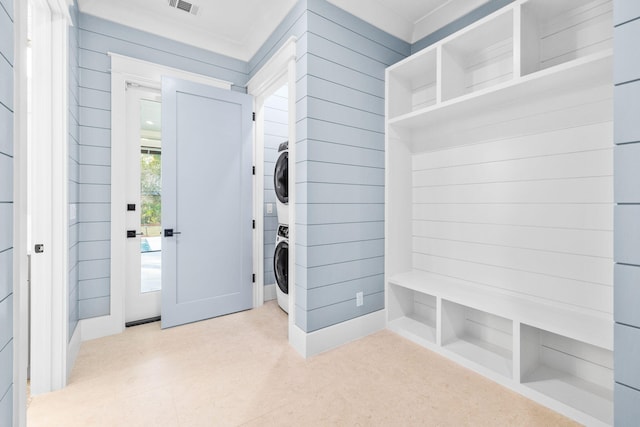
(281, 266)
(281, 183)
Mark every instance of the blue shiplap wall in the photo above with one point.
(627, 212)
(6, 212)
(276, 128)
(96, 37)
(340, 159)
(340, 166)
(74, 171)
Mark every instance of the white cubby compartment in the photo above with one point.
(480, 58)
(480, 337)
(578, 374)
(555, 32)
(413, 86)
(413, 314)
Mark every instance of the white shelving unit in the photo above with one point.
(499, 202)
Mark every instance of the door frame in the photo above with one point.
(53, 352)
(126, 70)
(279, 70)
(134, 298)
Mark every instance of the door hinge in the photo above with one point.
(253, 224)
(253, 278)
(253, 170)
(254, 116)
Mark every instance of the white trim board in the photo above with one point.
(271, 77)
(270, 292)
(310, 344)
(123, 70)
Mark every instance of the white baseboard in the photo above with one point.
(73, 350)
(310, 344)
(270, 292)
(98, 327)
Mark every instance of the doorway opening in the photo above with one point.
(144, 205)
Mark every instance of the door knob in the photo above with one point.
(168, 232)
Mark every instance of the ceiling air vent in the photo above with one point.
(184, 5)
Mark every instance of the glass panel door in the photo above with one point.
(150, 196)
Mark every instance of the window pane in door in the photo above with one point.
(150, 196)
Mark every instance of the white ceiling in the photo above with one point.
(239, 28)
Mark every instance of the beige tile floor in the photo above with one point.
(239, 370)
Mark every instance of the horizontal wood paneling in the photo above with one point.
(317, 130)
(348, 213)
(625, 10)
(326, 234)
(6, 273)
(6, 322)
(565, 241)
(6, 407)
(627, 234)
(573, 190)
(317, 66)
(343, 311)
(541, 287)
(311, 299)
(326, 255)
(530, 145)
(627, 405)
(626, 65)
(6, 372)
(596, 217)
(627, 172)
(627, 354)
(6, 178)
(94, 288)
(6, 211)
(528, 215)
(331, 152)
(598, 270)
(625, 111)
(6, 226)
(576, 33)
(93, 307)
(6, 132)
(627, 295)
(6, 85)
(341, 272)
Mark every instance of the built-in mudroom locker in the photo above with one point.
(499, 201)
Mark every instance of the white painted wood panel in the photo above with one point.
(597, 163)
(574, 190)
(578, 267)
(596, 217)
(595, 136)
(567, 241)
(539, 287)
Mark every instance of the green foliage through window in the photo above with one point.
(150, 188)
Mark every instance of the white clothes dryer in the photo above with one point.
(281, 267)
(281, 183)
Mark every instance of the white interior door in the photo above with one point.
(144, 244)
(207, 202)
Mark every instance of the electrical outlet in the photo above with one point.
(359, 299)
(269, 208)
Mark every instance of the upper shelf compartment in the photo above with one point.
(554, 32)
(514, 52)
(413, 86)
(479, 58)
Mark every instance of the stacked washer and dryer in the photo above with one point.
(281, 255)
